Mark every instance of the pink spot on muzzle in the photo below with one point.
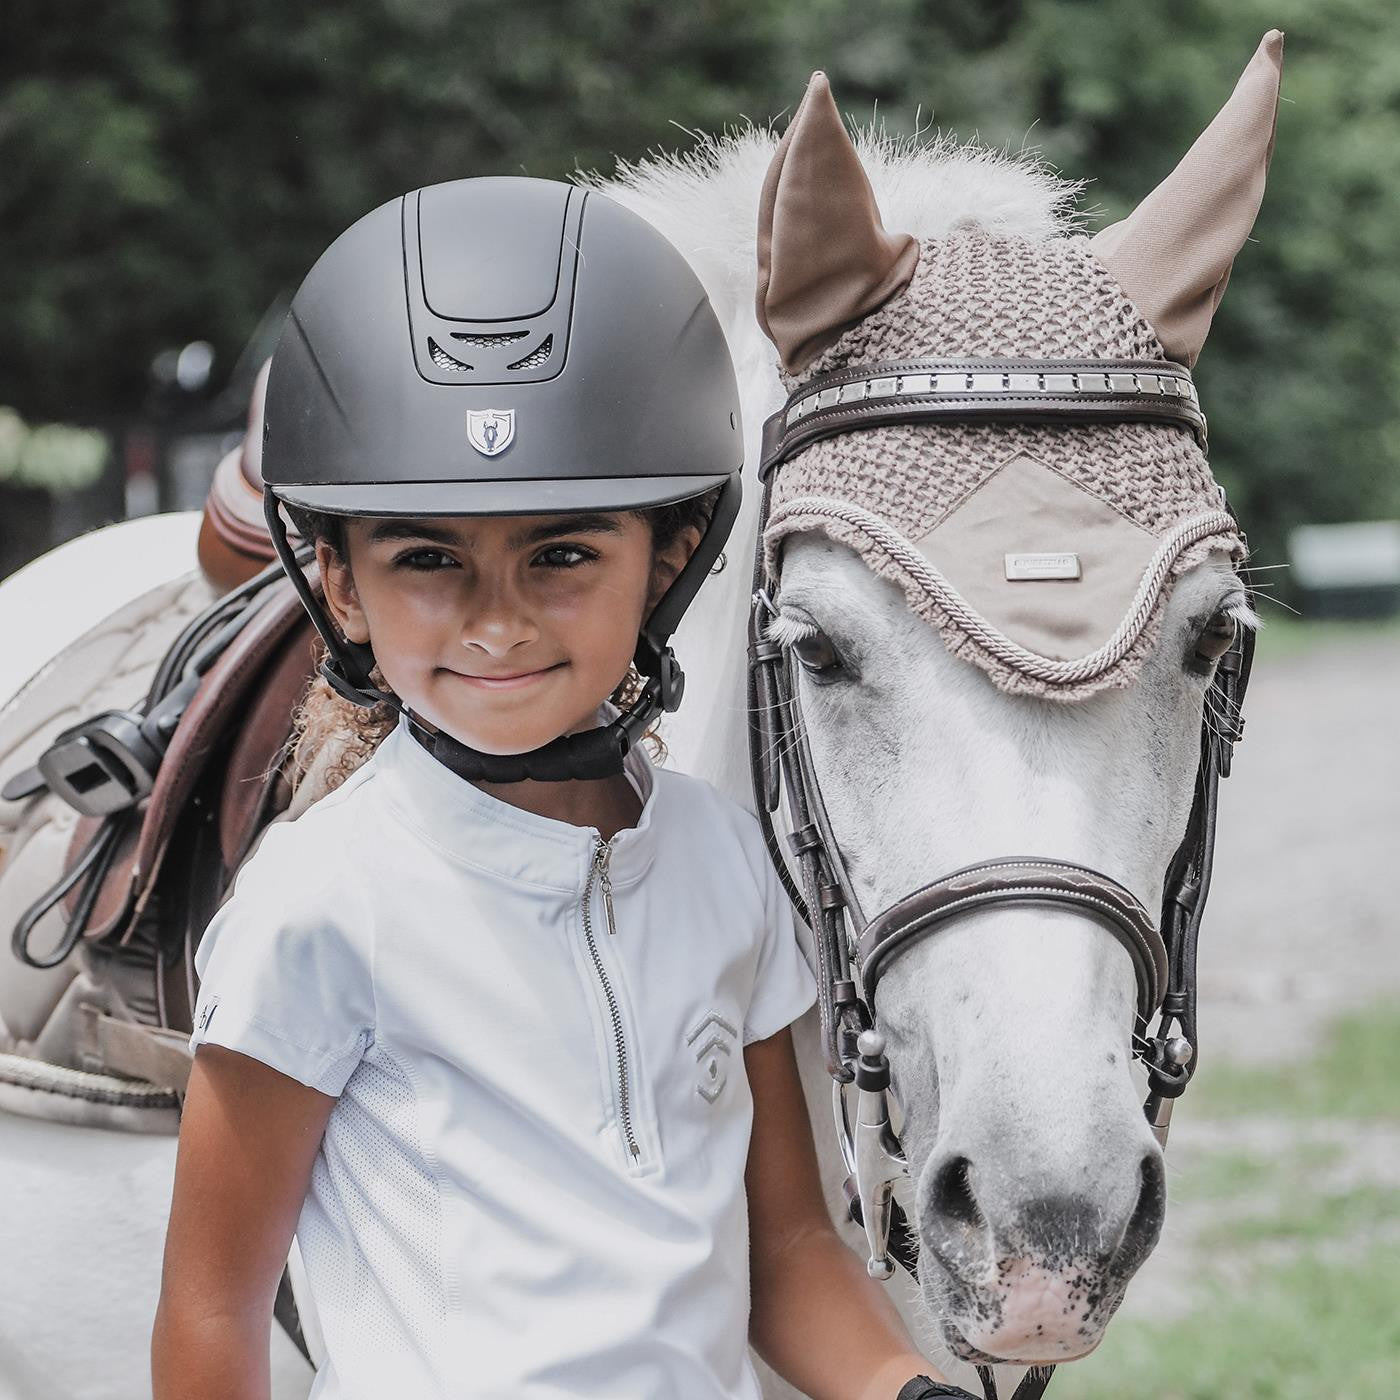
(1044, 1315)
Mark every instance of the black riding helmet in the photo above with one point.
(504, 346)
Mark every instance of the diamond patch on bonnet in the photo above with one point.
(1024, 508)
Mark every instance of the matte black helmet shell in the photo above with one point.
(495, 346)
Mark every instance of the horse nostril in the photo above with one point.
(954, 1227)
(1145, 1223)
(952, 1195)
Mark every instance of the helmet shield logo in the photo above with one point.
(491, 430)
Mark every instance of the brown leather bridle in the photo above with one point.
(853, 951)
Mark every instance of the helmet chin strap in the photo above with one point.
(596, 753)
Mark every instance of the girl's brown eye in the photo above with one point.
(816, 655)
(1216, 639)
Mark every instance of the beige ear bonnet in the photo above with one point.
(1042, 553)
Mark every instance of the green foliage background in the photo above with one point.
(168, 166)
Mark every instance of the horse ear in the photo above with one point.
(1172, 254)
(824, 258)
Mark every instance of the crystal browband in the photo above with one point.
(989, 391)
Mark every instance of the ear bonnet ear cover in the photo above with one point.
(945, 510)
(824, 258)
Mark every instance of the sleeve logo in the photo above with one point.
(712, 1043)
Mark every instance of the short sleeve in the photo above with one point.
(285, 973)
(783, 983)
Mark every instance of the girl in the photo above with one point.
(499, 1026)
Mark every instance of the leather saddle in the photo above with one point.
(173, 795)
(233, 540)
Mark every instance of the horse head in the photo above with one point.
(1002, 579)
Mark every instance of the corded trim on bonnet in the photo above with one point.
(933, 582)
(981, 390)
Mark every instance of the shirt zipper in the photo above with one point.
(598, 871)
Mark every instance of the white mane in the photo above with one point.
(705, 202)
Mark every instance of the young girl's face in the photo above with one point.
(505, 631)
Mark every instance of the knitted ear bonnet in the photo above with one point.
(1042, 552)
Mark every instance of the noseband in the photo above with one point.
(853, 952)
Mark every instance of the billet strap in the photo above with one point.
(982, 391)
(1021, 880)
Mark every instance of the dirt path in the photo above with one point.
(1302, 927)
(1304, 916)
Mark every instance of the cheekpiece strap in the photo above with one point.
(982, 391)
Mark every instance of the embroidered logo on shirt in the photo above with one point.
(712, 1052)
(207, 1014)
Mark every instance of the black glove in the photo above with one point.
(923, 1388)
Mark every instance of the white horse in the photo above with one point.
(1009, 1032)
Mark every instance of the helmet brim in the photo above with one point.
(416, 499)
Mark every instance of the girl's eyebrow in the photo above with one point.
(597, 523)
(392, 529)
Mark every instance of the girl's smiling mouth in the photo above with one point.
(512, 681)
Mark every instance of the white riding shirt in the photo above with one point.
(531, 1186)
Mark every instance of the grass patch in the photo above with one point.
(1296, 1294)
(1300, 1217)
(1303, 1331)
(1226, 1176)
(1356, 1074)
(1223, 1176)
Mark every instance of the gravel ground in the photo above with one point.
(1302, 925)
(1302, 922)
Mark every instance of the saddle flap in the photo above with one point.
(254, 789)
(203, 726)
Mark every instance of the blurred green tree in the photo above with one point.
(170, 166)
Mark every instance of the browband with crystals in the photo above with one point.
(992, 391)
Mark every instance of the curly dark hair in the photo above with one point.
(327, 724)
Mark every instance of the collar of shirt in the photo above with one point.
(496, 838)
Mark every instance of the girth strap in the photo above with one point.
(151, 1053)
(1021, 880)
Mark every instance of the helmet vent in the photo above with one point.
(537, 356)
(488, 341)
(445, 361)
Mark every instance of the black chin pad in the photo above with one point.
(596, 753)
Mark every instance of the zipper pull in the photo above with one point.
(604, 854)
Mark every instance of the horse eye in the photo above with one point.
(1216, 639)
(816, 655)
